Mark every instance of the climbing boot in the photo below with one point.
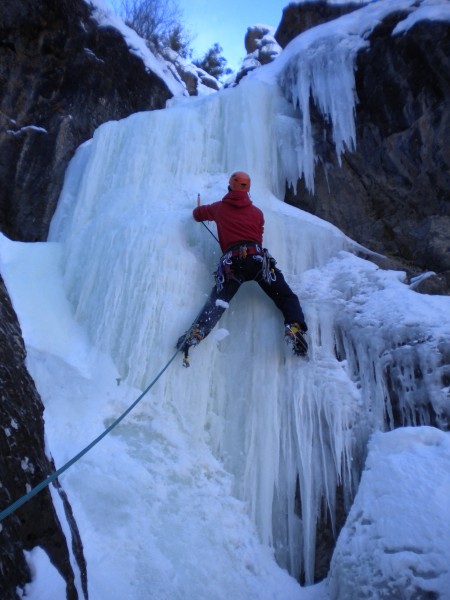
(192, 337)
(294, 337)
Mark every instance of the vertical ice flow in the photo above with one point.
(138, 269)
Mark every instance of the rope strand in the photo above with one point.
(21, 501)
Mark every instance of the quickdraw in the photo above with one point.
(223, 269)
(267, 266)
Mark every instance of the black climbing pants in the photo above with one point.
(249, 269)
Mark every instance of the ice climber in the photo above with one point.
(240, 227)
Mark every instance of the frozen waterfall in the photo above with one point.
(290, 434)
(138, 269)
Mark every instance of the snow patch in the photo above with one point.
(46, 580)
(402, 513)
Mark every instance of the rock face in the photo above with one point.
(24, 464)
(392, 194)
(61, 76)
(262, 48)
(297, 18)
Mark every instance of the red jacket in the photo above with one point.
(236, 217)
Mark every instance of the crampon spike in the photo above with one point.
(186, 357)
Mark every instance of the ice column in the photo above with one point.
(324, 72)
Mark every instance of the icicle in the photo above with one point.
(323, 71)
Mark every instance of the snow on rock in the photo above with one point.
(23, 130)
(262, 48)
(181, 76)
(198, 82)
(47, 582)
(396, 541)
(107, 18)
(432, 10)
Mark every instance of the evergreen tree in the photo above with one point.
(213, 63)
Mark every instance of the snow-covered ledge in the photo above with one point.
(397, 536)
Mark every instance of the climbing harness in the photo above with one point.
(242, 250)
(21, 501)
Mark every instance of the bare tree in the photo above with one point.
(159, 22)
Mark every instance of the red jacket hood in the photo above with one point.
(237, 219)
(237, 199)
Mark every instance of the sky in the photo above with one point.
(211, 21)
(227, 22)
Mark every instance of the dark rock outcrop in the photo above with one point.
(297, 18)
(24, 464)
(392, 194)
(61, 76)
(262, 48)
(260, 42)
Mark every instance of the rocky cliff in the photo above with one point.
(61, 76)
(23, 465)
(392, 194)
(298, 17)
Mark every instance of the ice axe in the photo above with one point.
(202, 222)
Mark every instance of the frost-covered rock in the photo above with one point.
(197, 81)
(260, 39)
(262, 48)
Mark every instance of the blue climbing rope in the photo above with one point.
(21, 501)
(206, 226)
